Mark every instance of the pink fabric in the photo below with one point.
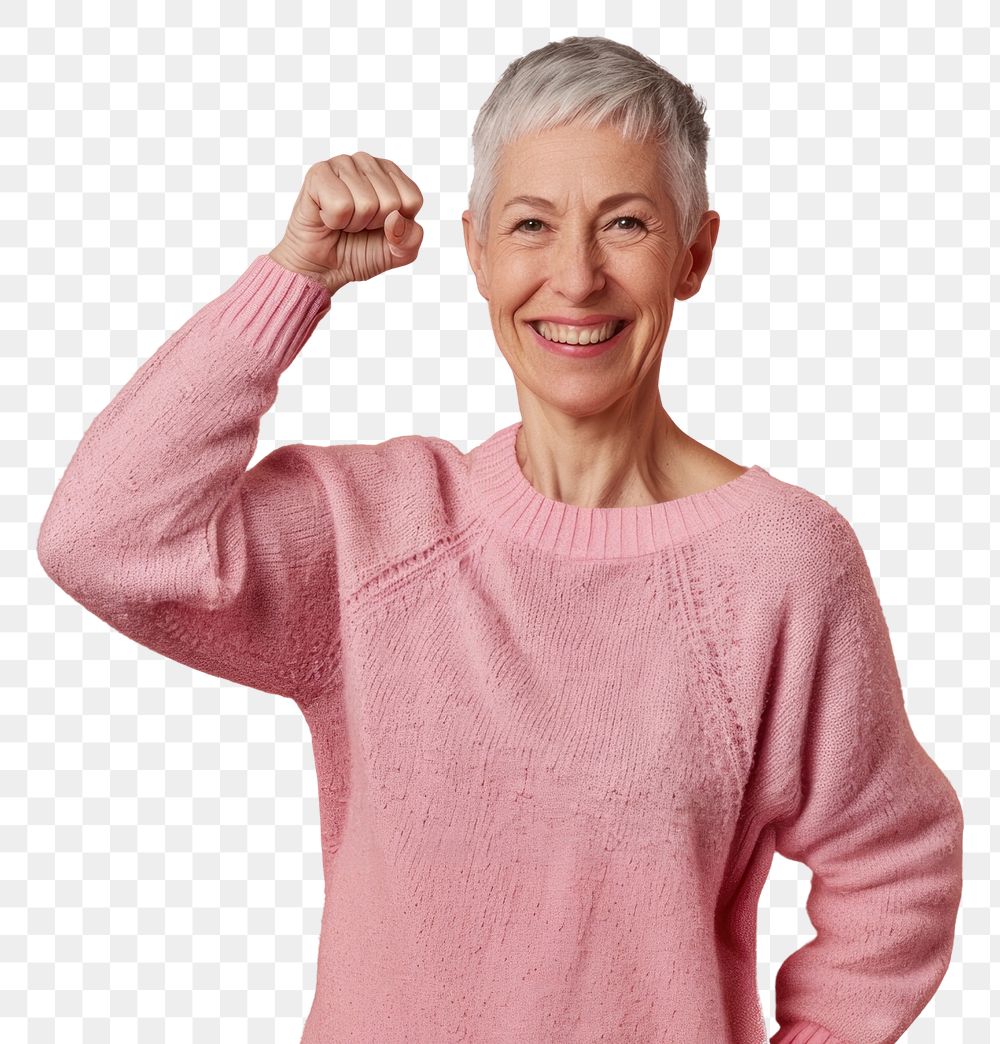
(556, 746)
(805, 1033)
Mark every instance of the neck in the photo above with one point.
(602, 462)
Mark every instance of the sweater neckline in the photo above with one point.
(514, 508)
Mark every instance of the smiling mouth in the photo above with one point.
(582, 335)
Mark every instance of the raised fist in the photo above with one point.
(353, 219)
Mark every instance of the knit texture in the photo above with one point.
(556, 746)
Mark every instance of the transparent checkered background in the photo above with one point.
(161, 870)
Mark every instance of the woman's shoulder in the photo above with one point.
(412, 460)
(794, 532)
(390, 502)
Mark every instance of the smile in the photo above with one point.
(566, 334)
(618, 329)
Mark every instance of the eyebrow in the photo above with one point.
(611, 201)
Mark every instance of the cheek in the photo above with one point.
(511, 290)
(649, 285)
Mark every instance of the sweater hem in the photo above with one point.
(804, 1032)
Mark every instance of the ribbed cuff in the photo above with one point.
(805, 1033)
(270, 304)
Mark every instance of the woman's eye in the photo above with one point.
(638, 222)
(630, 217)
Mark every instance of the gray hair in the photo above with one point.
(593, 81)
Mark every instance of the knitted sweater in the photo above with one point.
(556, 746)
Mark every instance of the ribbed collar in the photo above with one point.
(513, 507)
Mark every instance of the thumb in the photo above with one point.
(403, 235)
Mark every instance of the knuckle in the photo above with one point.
(338, 206)
(365, 207)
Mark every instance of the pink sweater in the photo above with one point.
(556, 746)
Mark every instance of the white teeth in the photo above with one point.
(576, 334)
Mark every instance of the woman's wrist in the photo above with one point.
(324, 279)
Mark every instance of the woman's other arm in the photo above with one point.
(878, 823)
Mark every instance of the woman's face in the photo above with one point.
(581, 256)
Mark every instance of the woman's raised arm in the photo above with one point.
(158, 528)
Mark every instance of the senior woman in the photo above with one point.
(569, 691)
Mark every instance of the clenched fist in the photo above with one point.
(353, 219)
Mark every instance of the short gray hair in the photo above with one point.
(594, 81)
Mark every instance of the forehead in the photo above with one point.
(575, 159)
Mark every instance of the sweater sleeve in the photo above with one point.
(879, 825)
(158, 528)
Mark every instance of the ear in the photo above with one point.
(476, 255)
(699, 255)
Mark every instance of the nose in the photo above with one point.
(575, 265)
